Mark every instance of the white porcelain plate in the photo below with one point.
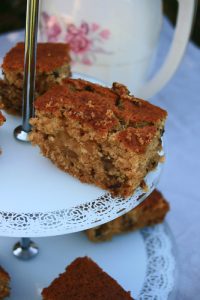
(38, 199)
(142, 262)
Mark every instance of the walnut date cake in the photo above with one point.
(83, 279)
(53, 64)
(103, 136)
(4, 284)
(150, 212)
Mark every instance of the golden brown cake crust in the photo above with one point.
(137, 139)
(105, 110)
(4, 283)
(3, 274)
(47, 58)
(100, 100)
(84, 279)
(150, 212)
(2, 119)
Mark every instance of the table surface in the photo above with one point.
(180, 179)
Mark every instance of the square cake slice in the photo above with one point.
(53, 64)
(84, 280)
(4, 284)
(150, 212)
(103, 136)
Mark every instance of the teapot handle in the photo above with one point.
(182, 32)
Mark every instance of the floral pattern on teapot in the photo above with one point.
(86, 40)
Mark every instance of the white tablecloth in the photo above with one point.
(181, 177)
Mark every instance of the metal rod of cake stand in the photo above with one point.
(21, 132)
(26, 249)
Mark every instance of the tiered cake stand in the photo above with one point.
(39, 200)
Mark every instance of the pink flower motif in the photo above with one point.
(86, 61)
(78, 39)
(51, 27)
(86, 40)
(84, 28)
(105, 34)
(95, 27)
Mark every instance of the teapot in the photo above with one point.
(116, 40)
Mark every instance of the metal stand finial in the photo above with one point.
(25, 250)
(21, 132)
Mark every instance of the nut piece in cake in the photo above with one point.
(4, 284)
(53, 64)
(103, 136)
(150, 212)
(84, 279)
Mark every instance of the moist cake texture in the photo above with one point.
(52, 65)
(4, 284)
(100, 135)
(84, 279)
(150, 212)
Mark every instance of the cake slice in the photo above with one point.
(53, 64)
(2, 119)
(150, 212)
(4, 284)
(100, 135)
(84, 280)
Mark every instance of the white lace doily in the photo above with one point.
(74, 218)
(160, 271)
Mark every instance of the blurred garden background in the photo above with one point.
(12, 16)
